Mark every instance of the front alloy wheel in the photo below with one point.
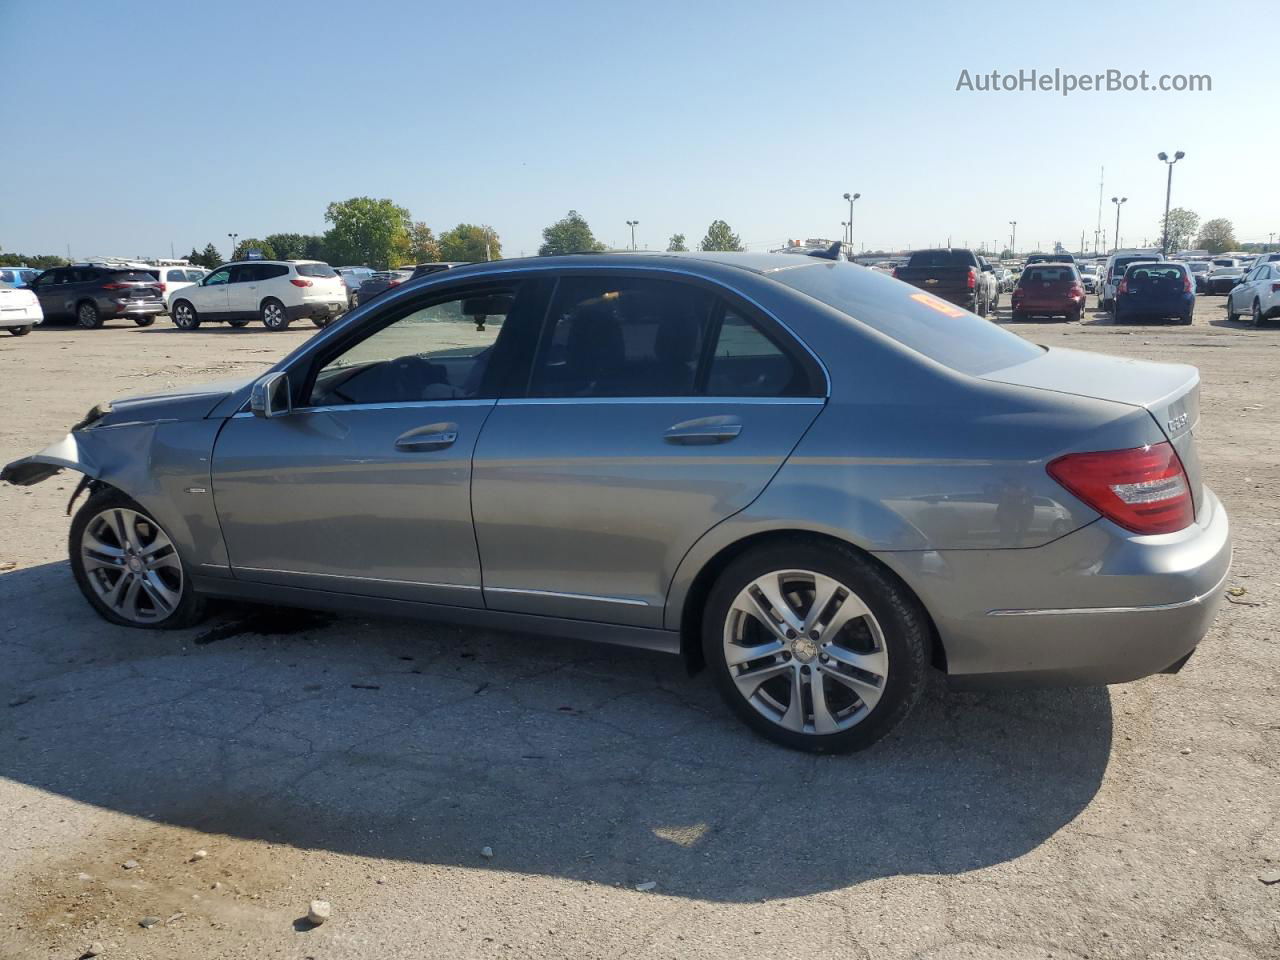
(184, 316)
(815, 646)
(128, 568)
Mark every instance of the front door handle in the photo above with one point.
(434, 436)
(704, 430)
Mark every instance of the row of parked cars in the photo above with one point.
(276, 292)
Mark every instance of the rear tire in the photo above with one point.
(185, 316)
(144, 321)
(1076, 315)
(1256, 316)
(1018, 316)
(20, 331)
(273, 315)
(88, 316)
(868, 672)
(321, 322)
(128, 567)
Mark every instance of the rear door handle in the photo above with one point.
(704, 430)
(434, 436)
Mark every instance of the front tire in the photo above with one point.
(20, 331)
(185, 316)
(144, 321)
(274, 316)
(128, 567)
(88, 316)
(815, 646)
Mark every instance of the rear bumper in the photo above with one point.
(328, 308)
(1099, 605)
(13, 318)
(134, 308)
(1049, 306)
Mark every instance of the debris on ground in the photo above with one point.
(130, 864)
(198, 855)
(148, 922)
(175, 918)
(486, 852)
(319, 912)
(646, 886)
(95, 949)
(1269, 877)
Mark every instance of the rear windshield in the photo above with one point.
(1122, 263)
(1049, 274)
(1153, 271)
(941, 258)
(135, 276)
(928, 325)
(1198, 266)
(316, 270)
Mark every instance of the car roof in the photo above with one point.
(758, 263)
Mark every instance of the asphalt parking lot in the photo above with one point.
(371, 764)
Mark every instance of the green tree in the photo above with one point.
(423, 245)
(194, 257)
(314, 249)
(253, 243)
(469, 242)
(569, 234)
(1182, 227)
(211, 257)
(367, 231)
(288, 246)
(43, 261)
(720, 237)
(676, 243)
(1217, 236)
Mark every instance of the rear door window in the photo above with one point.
(745, 362)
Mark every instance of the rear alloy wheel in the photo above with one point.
(185, 316)
(815, 647)
(128, 567)
(144, 321)
(88, 316)
(1256, 316)
(20, 331)
(274, 316)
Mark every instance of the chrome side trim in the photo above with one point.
(701, 401)
(1146, 608)
(626, 601)
(338, 576)
(405, 405)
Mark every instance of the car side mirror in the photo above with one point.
(271, 396)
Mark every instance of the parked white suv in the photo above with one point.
(175, 278)
(274, 291)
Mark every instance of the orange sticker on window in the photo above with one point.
(937, 303)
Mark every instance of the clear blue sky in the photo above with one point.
(134, 126)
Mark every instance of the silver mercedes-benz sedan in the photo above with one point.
(811, 480)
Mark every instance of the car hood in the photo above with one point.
(171, 403)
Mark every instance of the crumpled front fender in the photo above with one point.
(67, 454)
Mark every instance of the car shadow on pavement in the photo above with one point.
(427, 744)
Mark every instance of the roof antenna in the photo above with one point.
(831, 253)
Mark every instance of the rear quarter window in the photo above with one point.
(131, 276)
(316, 270)
(931, 327)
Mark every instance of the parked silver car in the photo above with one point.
(809, 478)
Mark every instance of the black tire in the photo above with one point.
(1232, 316)
(995, 307)
(274, 316)
(1076, 315)
(184, 316)
(1255, 316)
(903, 624)
(1018, 316)
(190, 607)
(144, 321)
(321, 321)
(238, 324)
(1186, 321)
(88, 316)
(1107, 306)
(982, 308)
(20, 331)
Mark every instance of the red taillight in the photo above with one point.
(1144, 489)
(1186, 283)
(394, 283)
(1076, 290)
(973, 278)
(116, 286)
(895, 273)
(299, 282)
(1124, 286)
(162, 287)
(1275, 288)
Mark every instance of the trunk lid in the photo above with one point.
(1169, 392)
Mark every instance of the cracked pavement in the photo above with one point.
(368, 762)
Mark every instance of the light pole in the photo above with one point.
(1013, 238)
(234, 237)
(849, 227)
(1168, 191)
(1118, 201)
(1270, 239)
(632, 225)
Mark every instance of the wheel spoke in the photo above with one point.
(164, 598)
(850, 608)
(875, 663)
(771, 589)
(122, 531)
(129, 603)
(823, 721)
(112, 593)
(750, 604)
(824, 588)
(100, 548)
(749, 681)
(794, 718)
(736, 654)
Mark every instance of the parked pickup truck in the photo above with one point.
(959, 276)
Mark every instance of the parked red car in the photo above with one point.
(1050, 289)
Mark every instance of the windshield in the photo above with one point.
(926, 324)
